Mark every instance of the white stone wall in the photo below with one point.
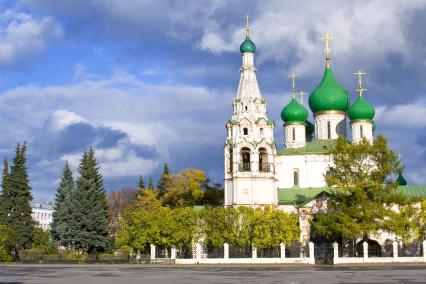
(311, 168)
(337, 125)
(299, 139)
(43, 217)
(367, 131)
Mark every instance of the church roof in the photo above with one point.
(299, 196)
(361, 110)
(294, 112)
(328, 95)
(312, 147)
(248, 45)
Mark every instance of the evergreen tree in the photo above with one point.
(89, 226)
(141, 182)
(162, 182)
(5, 199)
(18, 214)
(150, 183)
(62, 213)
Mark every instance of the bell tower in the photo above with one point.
(250, 149)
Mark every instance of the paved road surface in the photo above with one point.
(125, 274)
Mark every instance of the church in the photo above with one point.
(257, 173)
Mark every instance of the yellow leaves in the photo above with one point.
(148, 199)
(185, 188)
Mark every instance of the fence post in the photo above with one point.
(311, 253)
(424, 250)
(282, 247)
(253, 252)
(335, 253)
(365, 250)
(152, 251)
(173, 252)
(395, 251)
(225, 251)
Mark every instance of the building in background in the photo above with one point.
(42, 214)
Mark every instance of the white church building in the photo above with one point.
(257, 173)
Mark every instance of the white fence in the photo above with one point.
(199, 257)
(366, 259)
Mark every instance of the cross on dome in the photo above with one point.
(293, 77)
(360, 89)
(327, 38)
(247, 25)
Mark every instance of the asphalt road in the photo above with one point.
(125, 274)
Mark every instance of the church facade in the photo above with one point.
(258, 174)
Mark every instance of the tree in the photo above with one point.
(360, 204)
(60, 226)
(17, 198)
(163, 181)
(118, 202)
(89, 224)
(8, 243)
(213, 194)
(147, 199)
(41, 240)
(185, 188)
(141, 182)
(150, 183)
(5, 195)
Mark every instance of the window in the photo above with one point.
(296, 177)
(230, 161)
(245, 160)
(361, 130)
(261, 132)
(246, 108)
(263, 160)
(328, 130)
(294, 134)
(245, 131)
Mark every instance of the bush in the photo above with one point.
(7, 243)
(33, 254)
(73, 255)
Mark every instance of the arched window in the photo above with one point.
(261, 132)
(263, 160)
(246, 108)
(245, 160)
(361, 130)
(328, 130)
(295, 177)
(294, 133)
(245, 131)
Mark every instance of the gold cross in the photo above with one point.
(293, 77)
(301, 95)
(360, 89)
(327, 40)
(247, 25)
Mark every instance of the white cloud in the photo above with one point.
(23, 36)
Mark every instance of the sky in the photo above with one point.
(152, 82)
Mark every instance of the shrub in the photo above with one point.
(33, 254)
(7, 243)
(73, 255)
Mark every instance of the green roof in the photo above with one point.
(312, 147)
(401, 180)
(247, 46)
(294, 112)
(328, 95)
(300, 196)
(361, 110)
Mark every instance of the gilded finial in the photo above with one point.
(247, 25)
(327, 40)
(360, 89)
(293, 77)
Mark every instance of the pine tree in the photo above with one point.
(141, 183)
(62, 213)
(150, 183)
(5, 200)
(162, 182)
(19, 215)
(89, 226)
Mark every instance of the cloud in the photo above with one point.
(23, 37)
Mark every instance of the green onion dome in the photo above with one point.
(310, 128)
(361, 110)
(328, 95)
(247, 46)
(401, 180)
(294, 112)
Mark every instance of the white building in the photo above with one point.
(292, 178)
(42, 215)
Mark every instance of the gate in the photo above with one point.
(324, 253)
